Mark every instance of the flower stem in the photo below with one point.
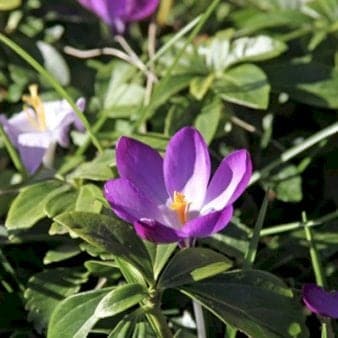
(199, 319)
(294, 151)
(54, 83)
(158, 322)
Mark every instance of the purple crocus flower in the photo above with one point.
(319, 301)
(39, 127)
(171, 199)
(118, 13)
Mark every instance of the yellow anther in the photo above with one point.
(33, 100)
(180, 205)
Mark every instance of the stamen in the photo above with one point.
(33, 100)
(180, 205)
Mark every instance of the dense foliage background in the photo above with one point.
(258, 74)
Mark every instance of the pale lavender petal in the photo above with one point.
(128, 202)
(229, 181)
(320, 301)
(31, 157)
(141, 165)
(10, 130)
(81, 103)
(140, 9)
(207, 225)
(154, 231)
(187, 166)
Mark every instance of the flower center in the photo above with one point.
(180, 206)
(34, 101)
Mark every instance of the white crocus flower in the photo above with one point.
(39, 127)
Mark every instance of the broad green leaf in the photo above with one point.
(61, 253)
(60, 203)
(199, 86)
(159, 253)
(253, 301)
(75, 316)
(107, 269)
(120, 299)
(89, 199)
(110, 234)
(288, 184)
(92, 171)
(208, 120)
(7, 5)
(311, 83)
(191, 265)
(54, 62)
(46, 289)
(245, 85)
(29, 206)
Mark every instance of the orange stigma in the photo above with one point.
(34, 101)
(180, 205)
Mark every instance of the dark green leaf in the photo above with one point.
(245, 85)
(191, 265)
(28, 207)
(111, 234)
(46, 289)
(252, 301)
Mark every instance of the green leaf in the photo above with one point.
(245, 85)
(61, 203)
(208, 120)
(159, 253)
(251, 301)
(311, 83)
(7, 5)
(199, 86)
(75, 316)
(61, 253)
(54, 62)
(92, 171)
(191, 265)
(28, 207)
(110, 234)
(288, 184)
(89, 199)
(46, 289)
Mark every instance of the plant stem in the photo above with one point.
(199, 319)
(54, 83)
(294, 151)
(298, 225)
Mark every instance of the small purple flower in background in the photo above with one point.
(319, 301)
(171, 199)
(39, 127)
(118, 13)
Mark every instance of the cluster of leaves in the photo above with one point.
(259, 74)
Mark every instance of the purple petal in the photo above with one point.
(319, 301)
(207, 225)
(81, 103)
(142, 166)
(154, 231)
(10, 130)
(187, 166)
(107, 10)
(31, 157)
(140, 9)
(229, 181)
(128, 202)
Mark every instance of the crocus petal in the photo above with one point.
(154, 231)
(11, 131)
(128, 202)
(107, 10)
(320, 301)
(207, 225)
(187, 166)
(142, 166)
(229, 181)
(140, 9)
(31, 157)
